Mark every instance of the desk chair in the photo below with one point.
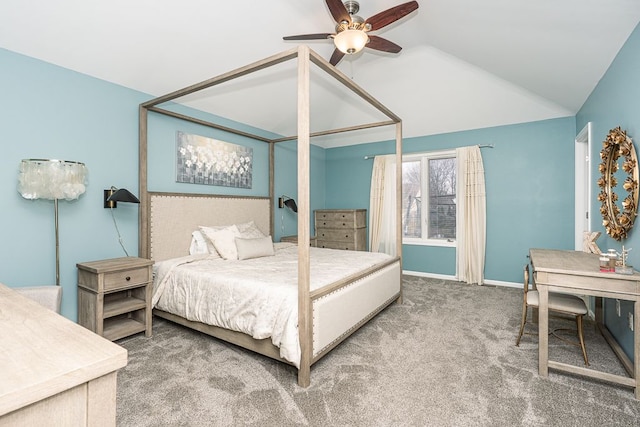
(48, 296)
(570, 305)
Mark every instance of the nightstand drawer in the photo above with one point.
(123, 279)
(294, 239)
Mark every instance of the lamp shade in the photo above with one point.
(122, 195)
(351, 41)
(51, 179)
(291, 204)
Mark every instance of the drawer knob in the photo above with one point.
(127, 278)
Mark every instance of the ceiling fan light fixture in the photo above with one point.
(351, 41)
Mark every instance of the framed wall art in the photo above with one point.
(208, 161)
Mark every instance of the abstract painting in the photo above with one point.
(202, 160)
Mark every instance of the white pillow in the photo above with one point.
(249, 230)
(223, 240)
(198, 244)
(254, 248)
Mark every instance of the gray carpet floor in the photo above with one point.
(444, 357)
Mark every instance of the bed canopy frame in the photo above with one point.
(304, 56)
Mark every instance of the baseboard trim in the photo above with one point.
(591, 314)
(455, 279)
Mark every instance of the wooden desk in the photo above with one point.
(53, 371)
(574, 272)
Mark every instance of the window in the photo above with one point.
(430, 220)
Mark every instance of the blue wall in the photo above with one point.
(286, 166)
(162, 152)
(51, 112)
(616, 102)
(529, 177)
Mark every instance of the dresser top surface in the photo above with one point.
(114, 264)
(44, 353)
(340, 210)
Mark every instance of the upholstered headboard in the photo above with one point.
(173, 217)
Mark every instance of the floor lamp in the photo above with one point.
(52, 180)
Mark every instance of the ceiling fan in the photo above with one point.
(351, 34)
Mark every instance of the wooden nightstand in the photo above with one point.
(114, 296)
(294, 239)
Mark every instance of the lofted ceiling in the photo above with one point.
(465, 64)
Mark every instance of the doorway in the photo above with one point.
(582, 184)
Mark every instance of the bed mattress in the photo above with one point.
(258, 297)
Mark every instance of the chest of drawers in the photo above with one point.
(341, 229)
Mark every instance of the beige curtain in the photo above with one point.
(470, 215)
(382, 213)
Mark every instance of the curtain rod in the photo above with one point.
(371, 156)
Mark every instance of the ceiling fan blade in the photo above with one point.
(336, 57)
(378, 43)
(338, 11)
(318, 36)
(390, 16)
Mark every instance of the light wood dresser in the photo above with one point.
(53, 371)
(114, 296)
(341, 229)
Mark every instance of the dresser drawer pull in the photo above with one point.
(127, 278)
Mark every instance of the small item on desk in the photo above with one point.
(604, 264)
(623, 268)
(613, 258)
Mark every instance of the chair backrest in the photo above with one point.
(526, 279)
(47, 296)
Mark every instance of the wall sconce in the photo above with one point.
(114, 195)
(111, 198)
(288, 202)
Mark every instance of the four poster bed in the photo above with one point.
(312, 298)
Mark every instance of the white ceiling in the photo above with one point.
(465, 64)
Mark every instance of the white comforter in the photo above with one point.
(258, 297)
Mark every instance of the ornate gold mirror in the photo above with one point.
(618, 218)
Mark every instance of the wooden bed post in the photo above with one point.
(304, 298)
(143, 212)
(272, 194)
(399, 199)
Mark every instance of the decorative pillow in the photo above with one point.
(248, 230)
(198, 244)
(254, 248)
(223, 240)
(204, 228)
